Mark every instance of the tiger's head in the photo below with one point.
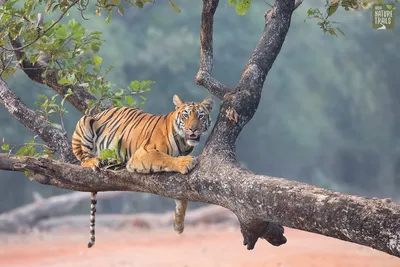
(192, 118)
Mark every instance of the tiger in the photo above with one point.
(144, 143)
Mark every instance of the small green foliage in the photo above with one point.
(174, 6)
(132, 96)
(28, 149)
(138, 3)
(242, 6)
(111, 155)
(107, 154)
(96, 60)
(232, 2)
(323, 22)
(48, 106)
(332, 9)
(5, 147)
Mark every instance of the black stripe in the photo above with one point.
(152, 131)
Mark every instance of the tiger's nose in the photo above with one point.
(193, 129)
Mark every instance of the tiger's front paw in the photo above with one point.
(92, 163)
(186, 163)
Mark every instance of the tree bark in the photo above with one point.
(54, 137)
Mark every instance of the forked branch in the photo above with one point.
(204, 76)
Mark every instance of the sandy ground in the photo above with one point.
(197, 246)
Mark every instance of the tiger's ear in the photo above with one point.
(177, 101)
(208, 102)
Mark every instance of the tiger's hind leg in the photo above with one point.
(152, 160)
(179, 215)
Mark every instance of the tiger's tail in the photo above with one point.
(93, 203)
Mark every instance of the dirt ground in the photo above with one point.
(197, 246)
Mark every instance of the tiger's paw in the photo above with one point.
(179, 227)
(92, 163)
(105, 163)
(186, 163)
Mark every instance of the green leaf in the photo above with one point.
(85, 85)
(120, 92)
(232, 2)
(174, 6)
(129, 100)
(389, 7)
(242, 7)
(5, 147)
(42, 96)
(145, 83)
(310, 11)
(339, 30)
(97, 60)
(95, 47)
(115, 1)
(73, 24)
(118, 103)
(106, 153)
(332, 31)
(62, 31)
(147, 90)
(64, 81)
(26, 173)
(138, 3)
(135, 85)
(332, 9)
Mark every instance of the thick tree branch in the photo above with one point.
(253, 198)
(239, 106)
(204, 76)
(55, 138)
(39, 73)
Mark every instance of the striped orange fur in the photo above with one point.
(144, 143)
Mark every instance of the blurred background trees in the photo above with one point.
(329, 115)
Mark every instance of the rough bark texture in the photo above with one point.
(261, 203)
(255, 199)
(54, 137)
